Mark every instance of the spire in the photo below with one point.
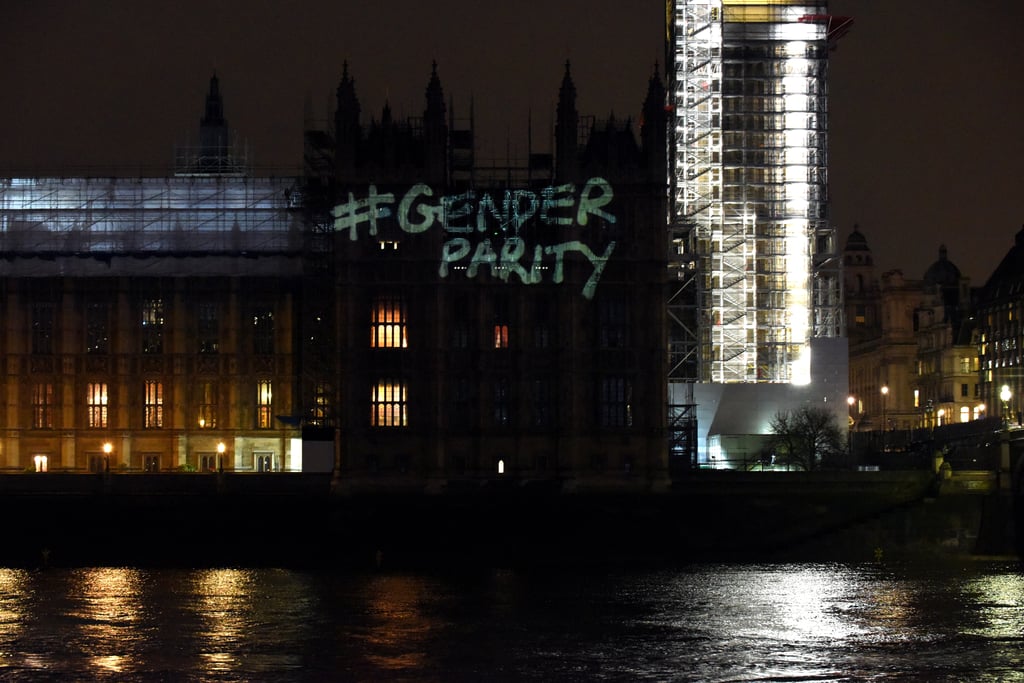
(348, 103)
(654, 126)
(347, 133)
(566, 129)
(435, 112)
(215, 154)
(567, 96)
(435, 131)
(213, 129)
(214, 115)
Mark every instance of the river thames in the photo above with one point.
(709, 622)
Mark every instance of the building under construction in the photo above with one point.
(757, 311)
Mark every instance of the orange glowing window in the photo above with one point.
(388, 404)
(96, 404)
(501, 336)
(388, 323)
(264, 404)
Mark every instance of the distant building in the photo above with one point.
(913, 360)
(1000, 334)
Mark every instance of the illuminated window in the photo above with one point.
(965, 413)
(208, 327)
(321, 402)
(97, 333)
(501, 336)
(388, 406)
(263, 331)
(501, 322)
(153, 326)
(615, 398)
(206, 405)
(42, 328)
(388, 323)
(96, 405)
(41, 463)
(42, 406)
(154, 405)
(264, 403)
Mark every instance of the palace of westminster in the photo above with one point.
(431, 318)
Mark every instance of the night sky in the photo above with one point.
(926, 95)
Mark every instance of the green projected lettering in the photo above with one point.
(486, 229)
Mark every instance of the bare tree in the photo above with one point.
(806, 436)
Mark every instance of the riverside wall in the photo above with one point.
(308, 520)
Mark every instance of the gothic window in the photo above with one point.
(97, 328)
(264, 405)
(388, 404)
(96, 405)
(42, 405)
(42, 328)
(153, 417)
(153, 326)
(263, 331)
(388, 323)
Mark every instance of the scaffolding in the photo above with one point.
(749, 187)
(49, 218)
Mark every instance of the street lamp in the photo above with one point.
(850, 400)
(108, 448)
(885, 394)
(1005, 395)
(220, 456)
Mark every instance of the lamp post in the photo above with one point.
(1005, 395)
(885, 394)
(108, 448)
(220, 456)
(850, 400)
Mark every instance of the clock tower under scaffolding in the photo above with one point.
(758, 277)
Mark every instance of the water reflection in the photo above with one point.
(729, 622)
(13, 590)
(397, 630)
(224, 603)
(998, 602)
(108, 614)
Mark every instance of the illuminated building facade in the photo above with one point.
(755, 256)
(913, 351)
(150, 314)
(440, 322)
(1000, 336)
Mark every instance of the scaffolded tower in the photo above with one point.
(748, 178)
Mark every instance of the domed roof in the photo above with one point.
(943, 272)
(856, 241)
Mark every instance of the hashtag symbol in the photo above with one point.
(350, 215)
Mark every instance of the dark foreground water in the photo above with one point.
(785, 622)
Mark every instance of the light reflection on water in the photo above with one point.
(703, 623)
